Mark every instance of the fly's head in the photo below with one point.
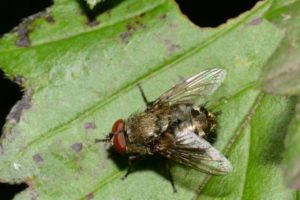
(117, 137)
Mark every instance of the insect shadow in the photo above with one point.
(277, 138)
(100, 8)
(156, 163)
(161, 166)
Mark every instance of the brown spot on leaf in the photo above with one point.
(125, 36)
(77, 146)
(50, 19)
(139, 24)
(33, 194)
(23, 34)
(93, 22)
(23, 29)
(163, 16)
(173, 47)
(24, 104)
(131, 28)
(255, 21)
(128, 33)
(31, 186)
(90, 196)
(142, 14)
(19, 79)
(1, 149)
(90, 125)
(38, 159)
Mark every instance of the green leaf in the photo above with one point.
(281, 76)
(282, 71)
(291, 162)
(80, 77)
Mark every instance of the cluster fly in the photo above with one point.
(175, 127)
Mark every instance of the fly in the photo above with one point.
(175, 127)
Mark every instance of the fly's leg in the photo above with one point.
(132, 161)
(170, 176)
(143, 95)
(217, 113)
(211, 137)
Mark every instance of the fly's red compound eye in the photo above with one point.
(119, 140)
(118, 126)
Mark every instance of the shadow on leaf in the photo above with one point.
(99, 9)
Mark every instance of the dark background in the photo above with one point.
(204, 13)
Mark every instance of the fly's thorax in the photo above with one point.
(141, 129)
(141, 125)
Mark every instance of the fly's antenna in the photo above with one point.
(101, 140)
(217, 113)
(106, 139)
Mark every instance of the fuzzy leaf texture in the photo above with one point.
(281, 76)
(282, 73)
(291, 162)
(80, 76)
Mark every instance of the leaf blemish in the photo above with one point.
(93, 23)
(23, 34)
(23, 29)
(255, 21)
(1, 149)
(38, 158)
(164, 16)
(142, 14)
(50, 19)
(77, 147)
(128, 33)
(90, 196)
(16, 112)
(130, 29)
(171, 46)
(125, 35)
(19, 79)
(90, 125)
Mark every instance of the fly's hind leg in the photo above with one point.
(170, 176)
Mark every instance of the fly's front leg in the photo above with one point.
(132, 161)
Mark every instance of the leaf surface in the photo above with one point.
(79, 77)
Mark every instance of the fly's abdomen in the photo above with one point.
(196, 119)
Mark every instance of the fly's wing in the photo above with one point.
(200, 86)
(193, 151)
